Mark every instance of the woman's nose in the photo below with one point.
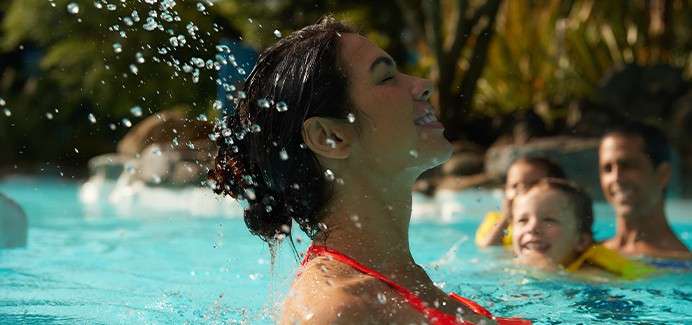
(423, 89)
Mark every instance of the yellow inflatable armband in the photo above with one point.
(613, 262)
(491, 219)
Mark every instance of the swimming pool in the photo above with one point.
(185, 257)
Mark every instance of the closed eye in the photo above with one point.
(388, 78)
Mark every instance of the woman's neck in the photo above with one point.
(369, 225)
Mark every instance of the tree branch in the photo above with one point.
(410, 18)
(478, 57)
(433, 28)
(464, 27)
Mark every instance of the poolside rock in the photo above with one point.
(165, 149)
(13, 224)
(165, 128)
(108, 166)
(681, 132)
(577, 156)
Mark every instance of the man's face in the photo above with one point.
(629, 180)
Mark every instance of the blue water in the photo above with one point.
(105, 265)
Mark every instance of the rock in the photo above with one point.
(162, 128)
(109, 166)
(463, 164)
(577, 156)
(681, 133)
(13, 224)
(165, 149)
(458, 183)
(641, 92)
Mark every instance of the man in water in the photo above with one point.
(634, 164)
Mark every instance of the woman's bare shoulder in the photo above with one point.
(329, 292)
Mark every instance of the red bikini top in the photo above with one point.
(434, 315)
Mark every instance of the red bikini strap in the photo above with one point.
(410, 297)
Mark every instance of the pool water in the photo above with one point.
(157, 261)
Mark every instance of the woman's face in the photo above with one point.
(544, 227)
(397, 129)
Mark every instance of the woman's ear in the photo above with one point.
(328, 137)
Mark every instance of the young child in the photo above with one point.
(521, 175)
(551, 225)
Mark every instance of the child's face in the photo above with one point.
(544, 227)
(520, 177)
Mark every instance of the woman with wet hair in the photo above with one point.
(329, 134)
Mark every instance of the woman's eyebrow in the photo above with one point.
(382, 60)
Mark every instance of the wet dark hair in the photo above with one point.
(552, 169)
(656, 145)
(262, 158)
(580, 201)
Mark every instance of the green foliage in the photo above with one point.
(547, 55)
(542, 55)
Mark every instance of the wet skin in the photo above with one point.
(379, 157)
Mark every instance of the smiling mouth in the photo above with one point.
(536, 246)
(427, 118)
(622, 195)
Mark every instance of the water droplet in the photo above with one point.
(134, 69)
(351, 117)
(218, 105)
(139, 57)
(136, 111)
(255, 128)
(98, 5)
(281, 106)
(201, 7)
(173, 40)
(7, 111)
(117, 48)
(135, 15)
(381, 298)
(112, 126)
(202, 117)
(413, 153)
(91, 118)
(49, 115)
(263, 103)
(126, 122)
(329, 175)
(283, 154)
(151, 24)
(242, 95)
(331, 143)
(250, 194)
(156, 151)
(111, 7)
(277, 33)
(73, 8)
(2, 102)
(76, 150)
